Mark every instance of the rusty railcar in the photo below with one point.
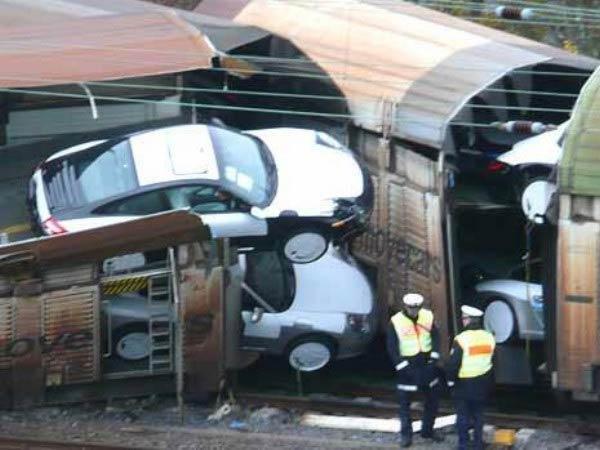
(55, 294)
(573, 300)
(424, 93)
(414, 98)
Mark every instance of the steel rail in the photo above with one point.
(386, 409)
(15, 443)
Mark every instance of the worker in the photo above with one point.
(413, 347)
(469, 373)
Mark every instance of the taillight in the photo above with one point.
(496, 167)
(53, 226)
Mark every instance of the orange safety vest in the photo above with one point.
(413, 337)
(478, 348)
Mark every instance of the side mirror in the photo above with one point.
(257, 314)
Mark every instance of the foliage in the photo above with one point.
(561, 23)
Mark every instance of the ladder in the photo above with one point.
(160, 328)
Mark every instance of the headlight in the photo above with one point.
(537, 302)
(359, 323)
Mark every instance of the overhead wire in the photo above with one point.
(329, 74)
(548, 7)
(181, 89)
(237, 108)
(542, 10)
(293, 95)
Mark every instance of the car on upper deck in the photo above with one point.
(299, 189)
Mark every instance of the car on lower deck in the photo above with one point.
(308, 313)
(513, 305)
(300, 189)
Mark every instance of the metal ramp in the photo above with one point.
(160, 327)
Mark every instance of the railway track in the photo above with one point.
(385, 409)
(12, 443)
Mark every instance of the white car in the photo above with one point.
(299, 189)
(540, 152)
(533, 160)
(311, 313)
(513, 309)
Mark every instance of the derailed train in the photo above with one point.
(54, 337)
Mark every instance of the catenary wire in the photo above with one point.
(235, 108)
(178, 89)
(550, 8)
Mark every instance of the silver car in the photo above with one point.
(513, 308)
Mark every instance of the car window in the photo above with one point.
(201, 199)
(272, 278)
(138, 205)
(246, 167)
(83, 177)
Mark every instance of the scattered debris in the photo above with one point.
(238, 425)
(368, 423)
(224, 410)
(268, 415)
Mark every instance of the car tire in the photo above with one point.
(304, 245)
(500, 319)
(131, 342)
(311, 353)
(531, 175)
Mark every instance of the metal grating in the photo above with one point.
(6, 331)
(370, 245)
(64, 277)
(5, 287)
(71, 347)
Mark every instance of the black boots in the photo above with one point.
(435, 437)
(406, 441)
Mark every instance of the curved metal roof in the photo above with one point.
(579, 167)
(425, 63)
(68, 41)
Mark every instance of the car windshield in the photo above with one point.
(246, 166)
(520, 271)
(272, 278)
(91, 175)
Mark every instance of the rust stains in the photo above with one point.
(107, 47)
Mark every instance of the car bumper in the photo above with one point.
(352, 344)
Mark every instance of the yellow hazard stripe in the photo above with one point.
(124, 285)
(19, 228)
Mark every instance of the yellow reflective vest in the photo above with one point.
(413, 337)
(478, 348)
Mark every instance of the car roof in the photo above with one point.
(174, 153)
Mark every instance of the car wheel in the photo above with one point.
(500, 320)
(310, 353)
(531, 175)
(304, 246)
(132, 342)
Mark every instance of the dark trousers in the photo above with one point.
(469, 413)
(429, 414)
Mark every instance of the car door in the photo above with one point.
(219, 211)
(224, 214)
(268, 293)
(129, 208)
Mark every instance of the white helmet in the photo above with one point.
(413, 299)
(470, 311)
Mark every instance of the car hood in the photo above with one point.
(541, 149)
(513, 288)
(312, 171)
(333, 283)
